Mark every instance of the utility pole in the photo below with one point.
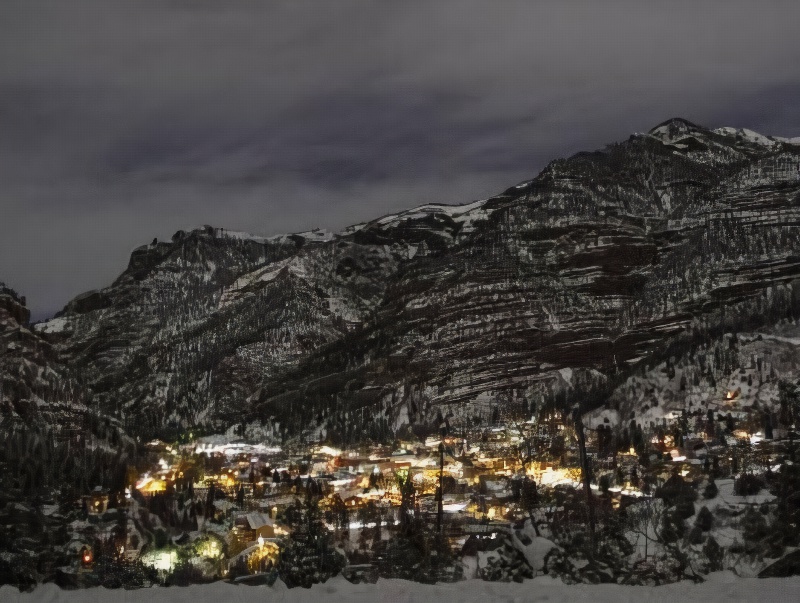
(3, 350)
(586, 474)
(463, 421)
(440, 493)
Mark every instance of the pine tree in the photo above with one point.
(704, 519)
(308, 556)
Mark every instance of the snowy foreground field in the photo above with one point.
(719, 587)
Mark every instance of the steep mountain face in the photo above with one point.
(55, 447)
(28, 368)
(196, 325)
(41, 395)
(53, 437)
(559, 286)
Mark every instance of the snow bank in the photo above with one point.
(719, 587)
(464, 214)
(533, 547)
(53, 325)
(748, 135)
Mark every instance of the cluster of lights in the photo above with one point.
(424, 479)
(161, 560)
(211, 550)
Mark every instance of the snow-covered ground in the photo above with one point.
(719, 587)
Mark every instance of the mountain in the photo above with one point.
(29, 370)
(44, 408)
(556, 291)
(56, 447)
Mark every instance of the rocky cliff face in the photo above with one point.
(28, 371)
(55, 441)
(56, 446)
(560, 286)
(39, 393)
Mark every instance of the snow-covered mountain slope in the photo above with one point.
(31, 380)
(598, 264)
(55, 441)
(737, 374)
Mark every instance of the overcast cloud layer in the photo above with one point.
(124, 121)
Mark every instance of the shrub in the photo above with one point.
(160, 538)
(754, 525)
(505, 564)
(676, 491)
(714, 553)
(420, 556)
(696, 535)
(184, 574)
(571, 563)
(110, 572)
(672, 527)
(704, 519)
(684, 509)
(748, 485)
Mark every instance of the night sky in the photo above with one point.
(124, 121)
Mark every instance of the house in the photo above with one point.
(250, 526)
(96, 503)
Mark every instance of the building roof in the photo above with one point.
(257, 520)
(224, 505)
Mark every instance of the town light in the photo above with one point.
(260, 541)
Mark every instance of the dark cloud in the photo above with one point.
(122, 121)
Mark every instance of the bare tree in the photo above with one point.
(586, 474)
(644, 519)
